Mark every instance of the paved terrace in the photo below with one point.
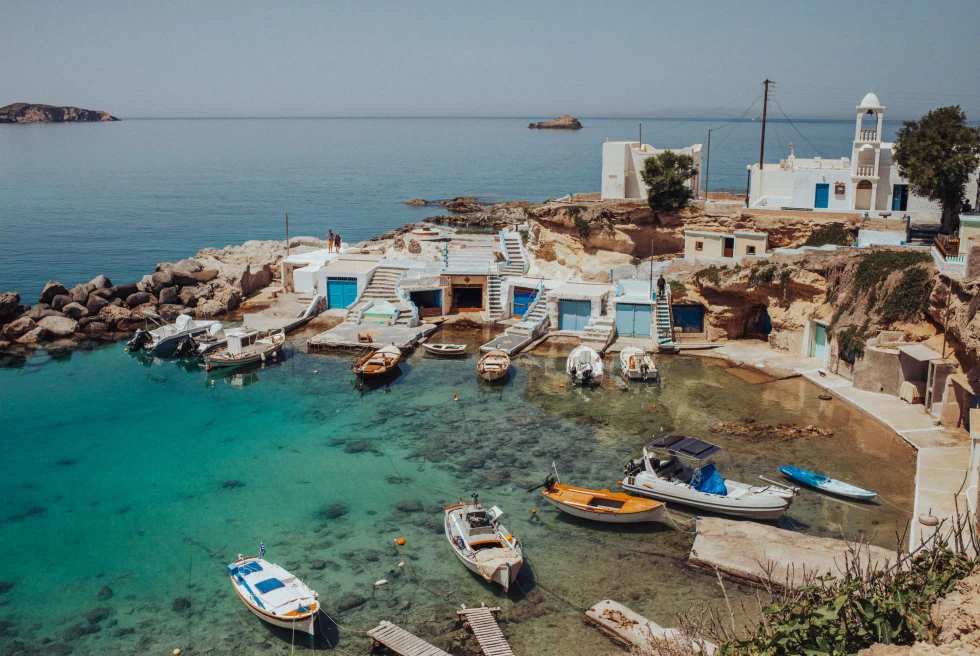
(943, 453)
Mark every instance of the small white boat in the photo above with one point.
(482, 544)
(493, 365)
(827, 484)
(637, 364)
(677, 469)
(274, 595)
(163, 340)
(378, 363)
(445, 350)
(246, 346)
(585, 366)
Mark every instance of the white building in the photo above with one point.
(868, 181)
(622, 166)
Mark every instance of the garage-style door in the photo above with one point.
(633, 320)
(341, 292)
(523, 297)
(574, 315)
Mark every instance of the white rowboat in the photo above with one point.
(274, 595)
(482, 544)
(637, 364)
(493, 365)
(445, 350)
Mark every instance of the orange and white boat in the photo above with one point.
(273, 594)
(493, 365)
(378, 363)
(602, 505)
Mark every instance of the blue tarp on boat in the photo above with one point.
(707, 479)
(269, 585)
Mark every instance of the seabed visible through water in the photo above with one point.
(129, 484)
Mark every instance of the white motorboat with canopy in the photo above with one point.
(482, 544)
(177, 338)
(679, 469)
(274, 595)
(585, 366)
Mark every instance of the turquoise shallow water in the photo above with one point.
(142, 479)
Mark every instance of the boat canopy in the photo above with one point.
(686, 447)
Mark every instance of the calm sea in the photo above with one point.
(77, 200)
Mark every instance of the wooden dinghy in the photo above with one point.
(482, 544)
(602, 505)
(274, 595)
(637, 364)
(493, 365)
(445, 350)
(827, 484)
(379, 362)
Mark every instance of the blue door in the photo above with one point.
(900, 198)
(523, 297)
(574, 315)
(341, 292)
(822, 198)
(819, 348)
(633, 320)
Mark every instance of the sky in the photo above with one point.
(529, 59)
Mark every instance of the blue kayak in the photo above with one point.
(827, 484)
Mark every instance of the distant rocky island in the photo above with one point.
(561, 123)
(32, 113)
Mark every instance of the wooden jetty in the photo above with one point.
(402, 642)
(633, 630)
(484, 626)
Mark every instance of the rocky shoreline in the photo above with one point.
(35, 113)
(211, 284)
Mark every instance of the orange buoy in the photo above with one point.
(454, 396)
(534, 511)
(653, 405)
(561, 385)
(400, 542)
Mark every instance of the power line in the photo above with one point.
(793, 125)
(697, 118)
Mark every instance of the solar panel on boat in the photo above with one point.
(690, 447)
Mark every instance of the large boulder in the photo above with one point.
(252, 281)
(42, 310)
(96, 329)
(51, 290)
(192, 294)
(210, 308)
(33, 336)
(102, 292)
(79, 294)
(95, 303)
(59, 302)
(58, 326)
(227, 295)
(183, 272)
(161, 279)
(168, 295)
(139, 298)
(100, 282)
(75, 311)
(111, 315)
(170, 311)
(123, 291)
(18, 327)
(9, 305)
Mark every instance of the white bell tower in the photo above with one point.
(866, 157)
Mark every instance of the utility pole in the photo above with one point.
(949, 292)
(640, 145)
(287, 234)
(762, 144)
(707, 167)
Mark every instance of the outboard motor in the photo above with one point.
(139, 340)
(631, 469)
(185, 347)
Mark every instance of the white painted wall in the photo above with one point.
(881, 238)
(622, 165)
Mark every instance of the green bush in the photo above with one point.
(910, 298)
(583, 227)
(877, 266)
(851, 343)
(677, 289)
(711, 274)
(837, 234)
(762, 275)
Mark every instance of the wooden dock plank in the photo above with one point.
(487, 632)
(402, 642)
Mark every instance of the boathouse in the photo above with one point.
(634, 309)
(344, 280)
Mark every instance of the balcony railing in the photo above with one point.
(866, 171)
(869, 135)
(949, 248)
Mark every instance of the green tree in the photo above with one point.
(937, 155)
(666, 176)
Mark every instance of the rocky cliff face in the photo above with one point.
(565, 122)
(32, 113)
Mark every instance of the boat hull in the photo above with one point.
(636, 372)
(444, 352)
(652, 515)
(166, 347)
(764, 507)
(827, 484)
(503, 575)
(302, 624)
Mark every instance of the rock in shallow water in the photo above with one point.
(349, 601)
(410, 505)
(18, 327)
(58, 326)
(51, 290)
(335, 511)
(105, 593)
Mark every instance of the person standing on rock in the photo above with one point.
(330, 241)
(337, 242)
(661, 286)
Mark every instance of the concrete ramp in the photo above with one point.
(633, 630)
(742, 550)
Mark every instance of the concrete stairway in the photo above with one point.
(495, 308)
(665, 325)
(472, 259)
(515, 253)
(526, 325)
(599, 332)
(381, 288)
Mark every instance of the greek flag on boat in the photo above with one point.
(261, 548)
